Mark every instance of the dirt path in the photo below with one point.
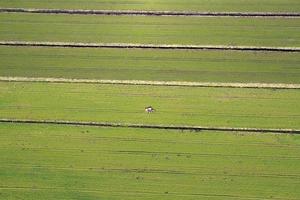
(153, 83)
(149, 126)
(152, 13)
(147, 46)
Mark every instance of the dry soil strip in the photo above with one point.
(153, 83)
(151, 13)
(150, 126)
(147, 46)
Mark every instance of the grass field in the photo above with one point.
(156, 30)
(177, 5)
(50, 162)
(215, 107)
(160, 65)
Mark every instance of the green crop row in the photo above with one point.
(158, 65)
(50, 162)
(214, 107)
(151, 30)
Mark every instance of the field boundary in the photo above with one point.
(153, 83)
(147, 46)
(152, 13)
(149, 126)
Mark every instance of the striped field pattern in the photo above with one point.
(223, 78)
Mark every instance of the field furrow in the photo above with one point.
(172, 5)
(151, 13)
(152, 83)
(151, 126)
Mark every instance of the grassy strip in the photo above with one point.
(153, 83)
(176, 106)
(156, 65)
(112, 163)
(151, 30)
(149, 13)
(172, 5)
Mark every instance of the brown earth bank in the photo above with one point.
(154, 83)
(148, 46)
(151, 13)
(150, 126)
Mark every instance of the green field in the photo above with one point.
(151, 30)
(51, 162)
(177, 5)
(160, 65)
(215, 107)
